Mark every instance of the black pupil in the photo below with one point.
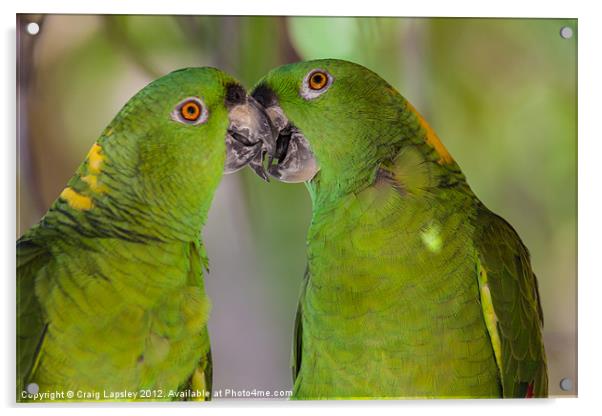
(318, 79)
(190, 109)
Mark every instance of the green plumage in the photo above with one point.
(401, 256)
(110, 292)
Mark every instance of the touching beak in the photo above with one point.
(295, 161)
(249, 137)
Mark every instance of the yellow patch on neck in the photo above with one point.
(95, 159)
(432, 139)
(92, 181)
(77, 201)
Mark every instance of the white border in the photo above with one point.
(589, 170)
(457, 8)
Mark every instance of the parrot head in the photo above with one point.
(335, 120)
(167, 150)
(200, 109)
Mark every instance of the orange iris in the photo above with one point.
(190, 110)
(318, 80)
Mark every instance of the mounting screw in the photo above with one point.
(566, 32)
(32, 388)
(33, 28)
(566, 384)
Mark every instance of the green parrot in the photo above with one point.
(413, 289)
(111, 301)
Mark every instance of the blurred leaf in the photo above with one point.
(324, 37)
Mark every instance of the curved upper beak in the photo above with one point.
(289, 148)
(250, 136)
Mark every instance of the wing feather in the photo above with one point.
(517, 306)
(32, 257)
(298, 330)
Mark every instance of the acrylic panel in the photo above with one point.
(501, 94)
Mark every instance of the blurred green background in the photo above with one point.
(501, 94)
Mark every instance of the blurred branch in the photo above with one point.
(116, 28)
(199, 32)
(413, 53)
(288, 53)
(228, 44)
(27, 168)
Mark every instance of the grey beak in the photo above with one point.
(295, 161)
(250, 136)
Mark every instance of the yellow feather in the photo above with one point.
(77, 201)
(490, 316)
(432, 139)
(198, 385)
(95, 159)
(92, 181)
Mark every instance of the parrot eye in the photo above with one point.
(316, 82)
(190, 111)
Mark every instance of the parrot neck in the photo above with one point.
(398, 222)
(353, 158)
(410, 167)
(409, 192)
(111, 195)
